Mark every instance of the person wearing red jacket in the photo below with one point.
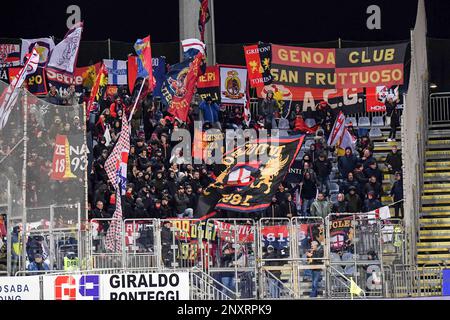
(116, 106)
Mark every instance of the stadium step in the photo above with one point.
(435, 211)
(436, 199)
(435, 223)
(438, 235)
(440, 154)
(441, 246)
(436, 176)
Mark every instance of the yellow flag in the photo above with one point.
(354, 288)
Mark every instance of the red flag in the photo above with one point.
(179, 107)
(100, 82)
(132, 72)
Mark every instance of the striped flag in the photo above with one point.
(337, 131)
(116, 169)
(191, 47)
(347, 141)
(10, 94)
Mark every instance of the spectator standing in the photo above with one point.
(210, 111)
(393, 113)
(322, 168)
(321, 207)
(397, 194)
(394, 160)
(354, 202)
(308, 193)
(268, 107)
(341, 205)
(347, 162)
(315, 255)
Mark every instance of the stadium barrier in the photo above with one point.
(355, 252)
(231, 260)
(439, 108)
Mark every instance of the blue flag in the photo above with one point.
(175, 82)
(159, 73)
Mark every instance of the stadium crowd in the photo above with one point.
(162, 185)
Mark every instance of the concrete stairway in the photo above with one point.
(434, 237)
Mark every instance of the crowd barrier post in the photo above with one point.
(140, 245)
(306, 230)
(232, 258)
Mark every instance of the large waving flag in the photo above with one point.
(144, 51)
(98, 89)
(191, 47)
(181, 101)
(337, 131)
(64, 56)
(11, 93)
(43, 47)
(116, 169)
(203, 18)
(117, 71)
(347, 141)
(247, 185)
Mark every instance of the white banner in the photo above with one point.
(64, 56)
(44, 47)
(117, 71)
(233, 85)
(129, 286)
(19, 288)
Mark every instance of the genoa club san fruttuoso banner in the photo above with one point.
(338, 68)
(249, 180)
(308, 75)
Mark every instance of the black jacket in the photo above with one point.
(397, 190)
(309, 189)
(273, 211)
(288, 207)
(340, 207)
(322, 168)
(370, 205)
(347, 164)
(354, 203)
(395, 160)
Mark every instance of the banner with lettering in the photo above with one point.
(69, 157)
(83, 77)
(370, 66)
(341, 233)
(338, 68)
(209, 84)
(259, 64)
(36, 83)
(9, 55)
(253, 172)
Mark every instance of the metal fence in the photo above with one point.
(242, 259)
(439, 108)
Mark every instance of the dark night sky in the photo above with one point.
(237, 21)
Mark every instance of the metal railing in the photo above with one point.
(439, 108)
(409, 281)
(205, 287)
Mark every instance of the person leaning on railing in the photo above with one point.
(314, 258)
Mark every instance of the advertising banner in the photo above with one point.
(127, 286)
(20, 288)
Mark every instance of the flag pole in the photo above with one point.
(137, 99)
(24, 178)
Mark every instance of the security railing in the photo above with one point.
(234, 258)
(439, 108)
